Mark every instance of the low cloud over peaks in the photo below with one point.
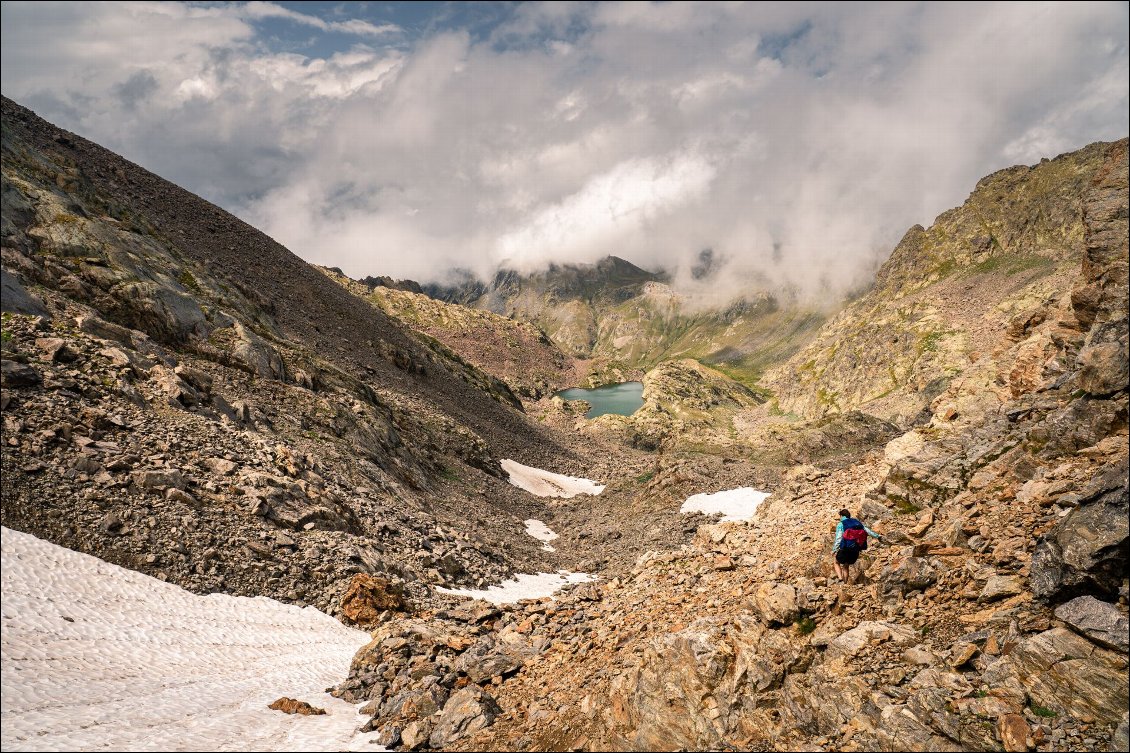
(796, 141)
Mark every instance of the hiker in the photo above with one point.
(851, 539)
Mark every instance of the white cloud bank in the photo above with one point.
(797, 140)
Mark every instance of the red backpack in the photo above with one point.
(855, 536)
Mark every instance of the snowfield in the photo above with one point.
(734, 504)
(546, 484)
(97, 657)
(541, 532)
(529, 586)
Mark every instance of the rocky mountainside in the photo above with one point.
(566, 301)
(992, 616)
(963, 301)
(627, 320)
(183, 396)
(516, 352)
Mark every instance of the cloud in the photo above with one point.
(261, 10)
(798, 141)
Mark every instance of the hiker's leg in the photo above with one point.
(847, 574)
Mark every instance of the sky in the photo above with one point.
(796, 141)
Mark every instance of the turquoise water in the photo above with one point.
(622, 399)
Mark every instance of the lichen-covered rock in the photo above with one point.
(368, 597)
(467, 711)
(776, 603)
(1089, 549)
(1068, 674)
(1103, 623)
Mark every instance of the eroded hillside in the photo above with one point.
(186, 397)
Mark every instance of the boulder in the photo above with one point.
(1120, 738)
(158, 480)
(198, 378)
(1089, 549)
(14, 297)
(16, 374)
(56, 349)
(1014, 733)
(907, 574)
(467, 711)
(172, 385)
(484, 660)
(1103, 623)
(163, 313)
(413, 703)
(776, 603)
(1104, 368)
(174, 494)
(254, 354)
(368, 596)
(1000, 587)
(415, 734)
(853, 641)
(696, 687)
(104, 330)
(294, 706)
(1070, 675)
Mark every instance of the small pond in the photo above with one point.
(622, 399)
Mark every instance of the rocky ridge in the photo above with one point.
(969, 301)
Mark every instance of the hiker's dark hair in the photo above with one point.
(845, 513)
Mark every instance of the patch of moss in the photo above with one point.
(906, 507)
(805, 625)
(1011, 264)
(188, 281)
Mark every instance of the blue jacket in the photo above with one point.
(840, 534)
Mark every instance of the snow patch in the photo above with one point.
(527, 586)
(546, 484)
(734, 504)
(97, 657)
(541, 532)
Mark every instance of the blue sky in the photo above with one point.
(798, 140)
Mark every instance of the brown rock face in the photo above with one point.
(294, 706)
(1014, 732)
(368, 596)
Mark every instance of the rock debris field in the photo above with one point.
(96, 657)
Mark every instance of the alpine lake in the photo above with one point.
(621, 399)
